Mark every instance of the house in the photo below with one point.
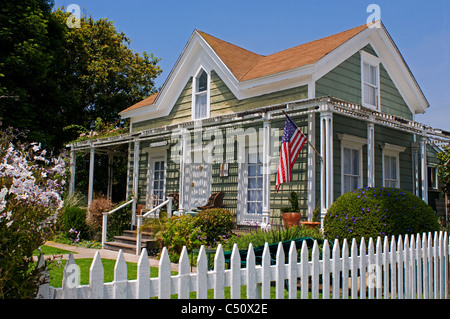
(216, 125)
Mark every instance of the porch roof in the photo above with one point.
(435, 136)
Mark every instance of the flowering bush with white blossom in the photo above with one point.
(31, 188)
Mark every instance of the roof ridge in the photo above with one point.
(238, 59)
(353, 32)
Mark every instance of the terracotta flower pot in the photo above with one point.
(311, 225)
(291, 219)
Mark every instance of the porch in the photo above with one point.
(238, 154)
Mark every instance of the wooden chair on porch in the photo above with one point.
(214, 201)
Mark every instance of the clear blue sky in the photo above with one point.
(420, 29)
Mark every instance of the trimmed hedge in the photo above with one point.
(379, 211)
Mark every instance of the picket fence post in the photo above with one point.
(414, 266)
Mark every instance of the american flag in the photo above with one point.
(292, 143)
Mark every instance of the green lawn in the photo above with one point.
(56, 273)
(48, 250)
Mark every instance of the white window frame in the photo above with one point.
(367, 58)
(195, 94)
(392, 151)
(433, 170)
(354, 143)
(244, 217)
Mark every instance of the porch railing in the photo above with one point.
(151, 212)
(106, 214)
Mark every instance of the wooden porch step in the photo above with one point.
(127, 242)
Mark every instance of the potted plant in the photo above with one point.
(291, 214)
(315, 223)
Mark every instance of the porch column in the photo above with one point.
(135, 178)
(110, 175)
(326, 150)
(265, 223)
(370, 154)
(423, 161)
(91, 175)
(73, 159)
(311, 165)
(183, 148)
(415, 167)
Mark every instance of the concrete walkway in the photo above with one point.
(80, 252)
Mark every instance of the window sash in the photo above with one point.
(390, 171)
(158, 180)
(200, 107)
(352, 169)
(370, 81)
(255, 185)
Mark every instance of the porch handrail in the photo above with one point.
(169, 211)
(168, 202)
(105, 219)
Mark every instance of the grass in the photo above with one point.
(48, 250)
(56, 274)
(56, 271)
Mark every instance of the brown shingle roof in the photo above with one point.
(147, 101)
(246, 65)
(237, 59)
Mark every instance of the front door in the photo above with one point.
(197, 181)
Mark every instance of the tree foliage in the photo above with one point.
(444, 170)
(55, 79)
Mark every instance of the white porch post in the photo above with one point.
(415, 167)
(423, 161)
(91, 175)
(110, 175)
(326, 150)
(135, 179)
(73, 159)
(265, 223)
(370, 154)
(183, 148)
(311, 165)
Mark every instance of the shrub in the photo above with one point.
(30, 199)
(209, 228)
(216, 224)
(373, 212)
(259, 237)
(97, 207)
(74, 219)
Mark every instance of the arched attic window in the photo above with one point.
(200, 101)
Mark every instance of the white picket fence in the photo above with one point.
(410, 267)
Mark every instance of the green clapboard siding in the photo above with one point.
(222, 101)
(346, 125)
(344, 82)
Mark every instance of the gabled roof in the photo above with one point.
(247, 65)
(147, 101)
(249, 74)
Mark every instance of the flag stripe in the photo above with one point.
(292, 143)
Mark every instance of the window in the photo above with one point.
(370, 80)
(352, 169)
(390, 171)
(391, 164)
(432, 177)
(158, 180)
(200, 96)
(351, 162)
(255, 184)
